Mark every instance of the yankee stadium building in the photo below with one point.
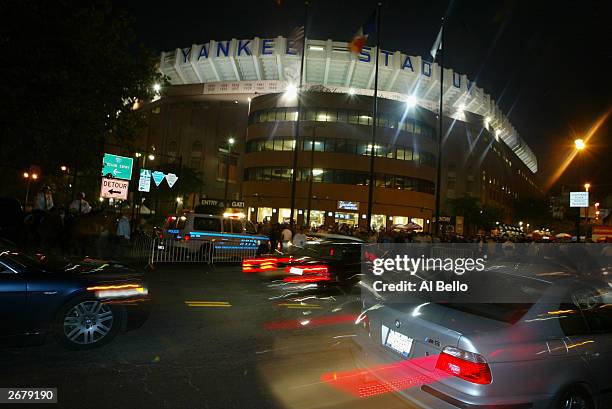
(231, 109)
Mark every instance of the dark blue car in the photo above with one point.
(84, 304)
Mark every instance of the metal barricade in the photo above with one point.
(153, 250)
(227, 251)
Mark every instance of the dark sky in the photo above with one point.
(546, 63)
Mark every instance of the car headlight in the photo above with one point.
(118, 291)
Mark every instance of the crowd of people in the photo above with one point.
(74, 228)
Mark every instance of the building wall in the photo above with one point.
(475, 163)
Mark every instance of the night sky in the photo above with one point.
(546, 63)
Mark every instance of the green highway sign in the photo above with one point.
(118, 167)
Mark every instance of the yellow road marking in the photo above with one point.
(208, 304)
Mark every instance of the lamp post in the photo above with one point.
(29, 177)
(587, 186)
(580, 146)
(230, 143)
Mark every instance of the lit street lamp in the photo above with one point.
(230, 143)
(29, 177)
(580, 145)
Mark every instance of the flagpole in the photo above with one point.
(296, 146)
(440, 128)
(375, 119)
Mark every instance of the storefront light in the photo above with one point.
(330, 214)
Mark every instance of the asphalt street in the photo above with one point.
(216, 338)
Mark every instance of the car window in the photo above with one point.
(237, 226)
(227, 226)
(206, 224)
(596, 306)
(249, 227)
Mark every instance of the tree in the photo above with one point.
(71, 73)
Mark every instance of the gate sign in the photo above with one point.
(158, 177)
(118, 167)
(171, 178)
(579, 199)
(144, 182)
(114, 189)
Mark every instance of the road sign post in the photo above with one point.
(118, 167)
(114, 189)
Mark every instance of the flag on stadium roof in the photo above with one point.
(361, 37)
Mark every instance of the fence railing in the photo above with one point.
(153, 250)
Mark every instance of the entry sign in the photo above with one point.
(118, 167)
(144, 182)
(579, 199)
(158, 177)
(114, 189)
(171, 178)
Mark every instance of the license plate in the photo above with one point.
(399, 343)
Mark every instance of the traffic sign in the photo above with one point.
(171, 178)
(114, 189)
(579, 199)
(144, 182)
(158, 177)
(118, 167)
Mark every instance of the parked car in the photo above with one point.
(554, 350)
(85, 304)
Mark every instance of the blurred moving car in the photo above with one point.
(324, 261)
(85, 304)
(554, 350)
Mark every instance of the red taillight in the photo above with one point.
(307, 273)
(465, 365)
(262, 264)
(187, 237)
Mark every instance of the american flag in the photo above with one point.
(296, 39)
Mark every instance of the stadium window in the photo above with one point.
(342, 115)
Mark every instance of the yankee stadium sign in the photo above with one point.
(268, 65)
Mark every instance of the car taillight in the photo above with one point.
(261, 264)
(187, 237)
(307, 273)
(465, 365)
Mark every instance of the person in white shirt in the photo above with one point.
(300, 238)
(286, 236)
(80, 205)
(44, 199)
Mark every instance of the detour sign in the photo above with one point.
(114, 189)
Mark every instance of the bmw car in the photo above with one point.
(84, 304)
(552, 351)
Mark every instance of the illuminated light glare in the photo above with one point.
(587, 186)
(411, 101)
(231, 141)
(351, 91)
(487, 119)
(151, 157)
(156, 87)
(317, 172)
(579, 144)
(461, 108)
(34, 176)
(63, 168)
(234, 215)
(316, 48)
(138, 154)
(291, 91)
(101, 199)
(26, 175)
(129, 292)
(179, 199)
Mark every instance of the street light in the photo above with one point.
(580, 145)
(587, 186)
(151, 157)
(156, 87)
(230, 143)
(29, 177)
(63, 168)
(411, 101)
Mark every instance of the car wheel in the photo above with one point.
(574, 398)
(87, 324)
